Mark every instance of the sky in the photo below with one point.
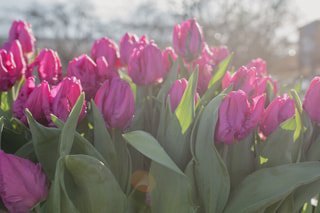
(120, 9)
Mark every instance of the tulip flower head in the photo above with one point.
(237, 117)
(312, 100)
(165, 56)
(115, 102)
(127, 43)
(146, 65)
(280, 109)
(188, 39)
(22, 183)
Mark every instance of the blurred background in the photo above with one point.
(285, 33)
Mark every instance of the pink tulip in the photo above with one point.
(115, 101)
(312, 100)
(21, 31)
(63, 98)
(176, 93)
(188, 39)
(165, 57)
(18, 58)
(107, 48)
(237, 117)
(146, 65)
(260, 66)
(85, 69)
(219, 54)
(49, 66)
(22, 183)
(127, 43)
(19, 104)
(8, 75)
(279, 110)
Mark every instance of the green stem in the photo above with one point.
(37, 209)
(225, 153)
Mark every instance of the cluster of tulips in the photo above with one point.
(138, 129)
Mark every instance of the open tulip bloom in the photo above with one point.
(143, 129)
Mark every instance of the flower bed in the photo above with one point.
(137, 129)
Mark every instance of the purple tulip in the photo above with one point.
(104, 73)
(19, 104)
(115, 101)
(22, 183)
(165, 57)
(107, 48)
(21, 31)
(85, 69)
(127, 43)
(237, 117)
(38, 103)
(188, 39)
(279, 110)
(312, 100)
(63, 98)
(176, 93)
(146, 65)
(49, 66)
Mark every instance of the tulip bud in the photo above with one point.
(237, 117)
(312, 100)
(127, 43)
(260, 66)
(18, 108)
(49, 66)
(279, 110)
(22, 183)
(21, 31)
(165, 57)
(107, 48)
(146, 65)
(38, 103)
(219, 54)
(188, 39)
(104, 72)
(85, 69)
(7, 70)
(63, 98)
(176, 93)
(115, 102)
(19, 60)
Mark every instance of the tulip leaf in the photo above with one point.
(95, 189)
(185, 110)
(102, 139)
(172, 191)
(149, 146)
(267, 186)
(45, 141)
(215, 83)
(27, 151)
(68, 130)
(211, 174)
(304, 193)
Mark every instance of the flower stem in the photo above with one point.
(225, 153)
(37, 209)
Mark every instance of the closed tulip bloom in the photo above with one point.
(115, 102)
(312, 100)
(109, 49)
(22, 183)
(21, 31)
(104, 72)
(7, 70)
(63, 98)
(219, 54)
(49, 66)
(18, 108)
(237, 117)
(38, 103)
(127, 43)
(85, 69)
(280, 109)
(176, 93)
(165, 56)
(188, 39)
(260, 66)
(19, 60)
(146, 65)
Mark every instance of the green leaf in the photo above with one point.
(27, 151)
(185, 110)
(102, 140)
(211, 175)
(95, 189)
(270, 185)
(149, 146)
(172, 192)
(304, 194)
(68, 130)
